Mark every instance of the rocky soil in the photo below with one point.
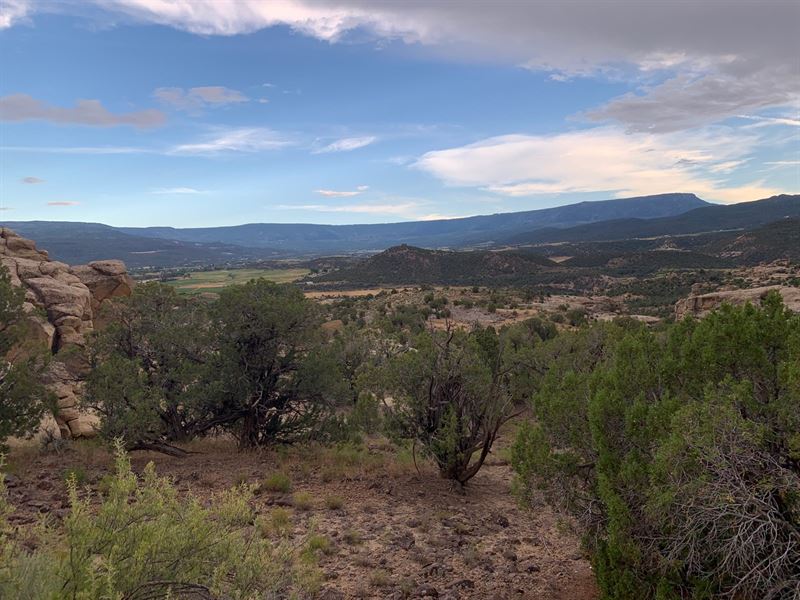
(395, 533)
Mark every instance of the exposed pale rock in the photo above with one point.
(105, 279)
(701, 304)
(70, 298)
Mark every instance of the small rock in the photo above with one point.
(405, 541)
(502, 521)
(532, 568)
(462, 584)
(509, 554)
(434, 570)
(11, 480)
(426, 591)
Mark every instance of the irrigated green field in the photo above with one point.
(213, 281)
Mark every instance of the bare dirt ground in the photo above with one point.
(395, 533)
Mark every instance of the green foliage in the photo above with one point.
(450, 394)
(142, 539)
(23, 400)
(148, 363)
(254, 364)
(302, 501)
(277, 482)
(677, 450)
(270, 375)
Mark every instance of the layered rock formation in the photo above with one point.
(700, 305)
(62, 303)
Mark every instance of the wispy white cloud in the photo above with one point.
(406, 209)
(63, 203)
(762, 120)
(440, 217)
(99, 150)
(178, 190)
(603, 159)
(248, 139)
(784, 163)
(13, 11)
(197, 98)
(218, 141)
(346, 144)
(22, 107)
(31, 180)
(343, 193)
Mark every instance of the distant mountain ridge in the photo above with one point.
(468, 231)
(618, 226)
(81, 243)
(745, 215)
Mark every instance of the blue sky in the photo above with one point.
(202, 113)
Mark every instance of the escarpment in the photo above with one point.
(61, 303)
(699, 305)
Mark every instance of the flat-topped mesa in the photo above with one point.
(70, 298)
(700, 305)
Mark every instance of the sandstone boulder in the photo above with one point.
(701, 304)
(105, 279)
(62, 303)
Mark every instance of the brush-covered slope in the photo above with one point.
(774, 241)
(745, 215)
(410, 265)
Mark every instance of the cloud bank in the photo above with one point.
(697, 62)
(603, 159)
(22, 107)
(198, 98)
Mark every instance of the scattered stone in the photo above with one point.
(509, 554)
(532, 568)
(462, 584)
(405, 540)
(434, 570)
(426, 591)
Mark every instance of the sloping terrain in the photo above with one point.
(408, 264)
(746, 215)
(308, 238)
(85, 242)
(395, 533)
(773, 241)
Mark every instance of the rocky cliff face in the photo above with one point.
(62, 302)
(700, 305)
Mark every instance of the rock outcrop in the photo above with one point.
(62, 303)
(700, 305)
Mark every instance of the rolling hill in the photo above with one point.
(408, 264)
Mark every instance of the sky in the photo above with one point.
(191, 113)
